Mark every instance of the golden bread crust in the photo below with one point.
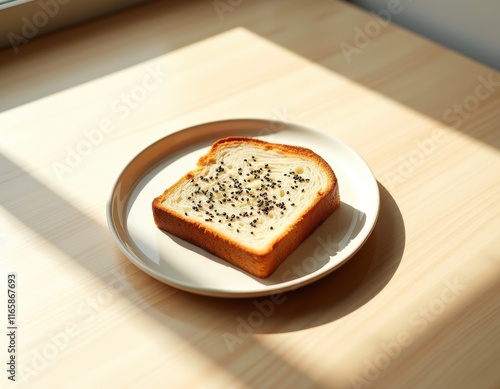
(260, 263)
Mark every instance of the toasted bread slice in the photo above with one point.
(250, 202)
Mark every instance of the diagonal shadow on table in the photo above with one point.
(317, 33)
(62, 225)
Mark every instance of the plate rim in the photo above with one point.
(268, 290)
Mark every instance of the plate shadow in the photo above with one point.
(345, 290)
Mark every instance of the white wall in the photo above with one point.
(471, 27)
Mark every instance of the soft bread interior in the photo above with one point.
(250, 194)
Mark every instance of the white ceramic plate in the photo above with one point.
(186, 266)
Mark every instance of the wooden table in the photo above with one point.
(417, 307)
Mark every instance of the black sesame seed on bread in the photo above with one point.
(250, 202)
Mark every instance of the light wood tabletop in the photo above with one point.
(418, 306)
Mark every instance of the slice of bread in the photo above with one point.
(250, 202)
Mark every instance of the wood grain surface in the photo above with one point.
(417, 307)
